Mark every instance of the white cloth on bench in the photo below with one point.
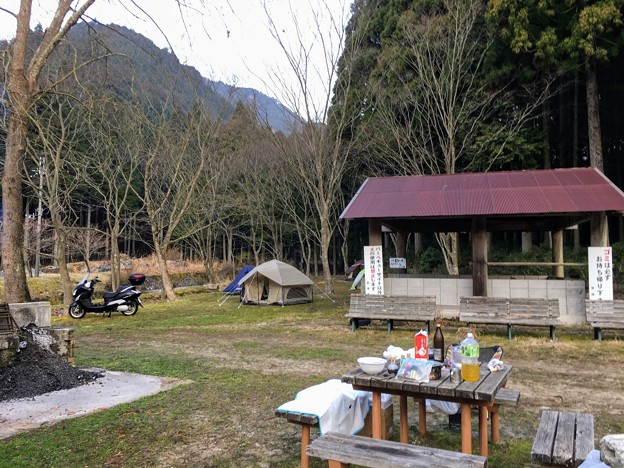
(593, 461)
(338, 407)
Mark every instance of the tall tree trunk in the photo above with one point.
(593, 115)
(66, 283)
(575, 123)
(26, 248)
(325, 241)
(39, 220)
(167, 289)
(115, 256)
(88, 242)
(15, 285)
(545, 129)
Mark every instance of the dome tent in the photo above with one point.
(275, 282)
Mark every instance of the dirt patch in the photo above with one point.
(37, 369)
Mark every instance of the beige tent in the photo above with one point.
(275, 282)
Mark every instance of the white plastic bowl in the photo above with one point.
(372, 365)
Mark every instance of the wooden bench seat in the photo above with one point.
(563, 438)
(604, 314)
(342, 450)
(510, 311)
(306, 421)
(391, 308)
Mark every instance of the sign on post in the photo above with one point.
(373, 265)
(600, 261)
(398, 262)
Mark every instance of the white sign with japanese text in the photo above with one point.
(398, 262)
(373, 265)
(600, 261)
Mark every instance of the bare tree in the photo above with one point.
(112, 168)
(54, 145)
(317, 152)
(86, 242)
(24, 87)
(434, 122)
(179, 164)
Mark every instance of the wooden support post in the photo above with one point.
(557, 254)
(422, 415)
(599, 229)
(374, 232)
(466, 433)
(495, 424)
(404, 427)
(479, 256)
(401, 248)
(483, 432)
(305, 441)
(376, 415)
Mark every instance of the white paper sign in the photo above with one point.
(373, 265)
(398, 262)
(600, 261)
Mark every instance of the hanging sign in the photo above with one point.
(373, 265)
(398, 262)
(600, 261)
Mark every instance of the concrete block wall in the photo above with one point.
(571, 293)
(39, 313)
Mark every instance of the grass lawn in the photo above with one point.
(244, 362)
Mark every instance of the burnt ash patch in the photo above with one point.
(37, 369)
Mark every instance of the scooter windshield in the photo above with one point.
(85, 279)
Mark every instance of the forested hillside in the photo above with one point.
(128, 151)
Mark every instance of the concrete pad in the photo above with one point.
(111, 390)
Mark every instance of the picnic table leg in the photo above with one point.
(495, 432)
(305, 441)
(403, 419)
(376, 415)
(483, 432)
(337, 464)
(422, 415)
(466, 430)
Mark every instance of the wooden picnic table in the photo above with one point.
(480, 393)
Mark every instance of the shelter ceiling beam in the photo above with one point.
(494, 223)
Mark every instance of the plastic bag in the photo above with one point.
(446, 407)
(415, 369)
(593, 461)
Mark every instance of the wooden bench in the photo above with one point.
(510, 311)
(391, 308)
(563, 438)
(604, 314)
(342, 450)
(306, 421)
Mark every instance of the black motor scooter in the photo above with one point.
(125, 299)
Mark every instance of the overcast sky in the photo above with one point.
(226, 40)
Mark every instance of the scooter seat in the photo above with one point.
(109, 295)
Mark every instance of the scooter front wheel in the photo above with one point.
(77, 312)
(133, 307)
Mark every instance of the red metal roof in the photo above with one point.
(574, 190)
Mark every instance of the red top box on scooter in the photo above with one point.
(136, 279)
